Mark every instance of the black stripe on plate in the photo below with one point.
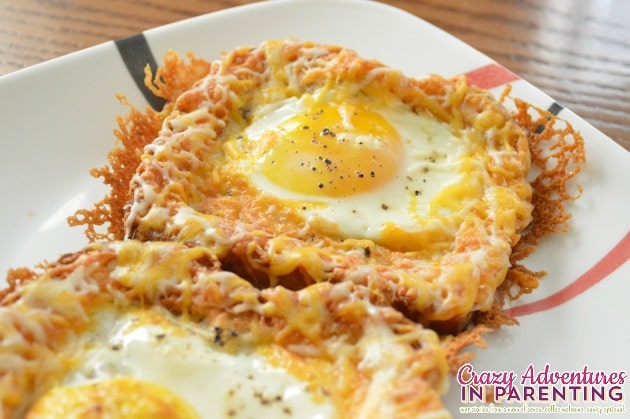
(555, 108)
(136, 54)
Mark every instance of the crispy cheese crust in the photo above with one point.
(334, 291)
(313, 333)
(181, 192)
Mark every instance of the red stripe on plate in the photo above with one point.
(614, 259)
(489, 76)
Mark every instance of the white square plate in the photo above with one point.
(57, 120)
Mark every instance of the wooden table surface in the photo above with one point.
(577, 51)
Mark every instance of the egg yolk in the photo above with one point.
(334, 151)
(116, 397)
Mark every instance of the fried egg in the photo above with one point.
(298, 163)
(151, 329)
(149, 363)
(356, 170)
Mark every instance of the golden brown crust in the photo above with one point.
(558, 154)
(134, 131)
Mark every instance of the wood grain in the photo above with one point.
(577, 51)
